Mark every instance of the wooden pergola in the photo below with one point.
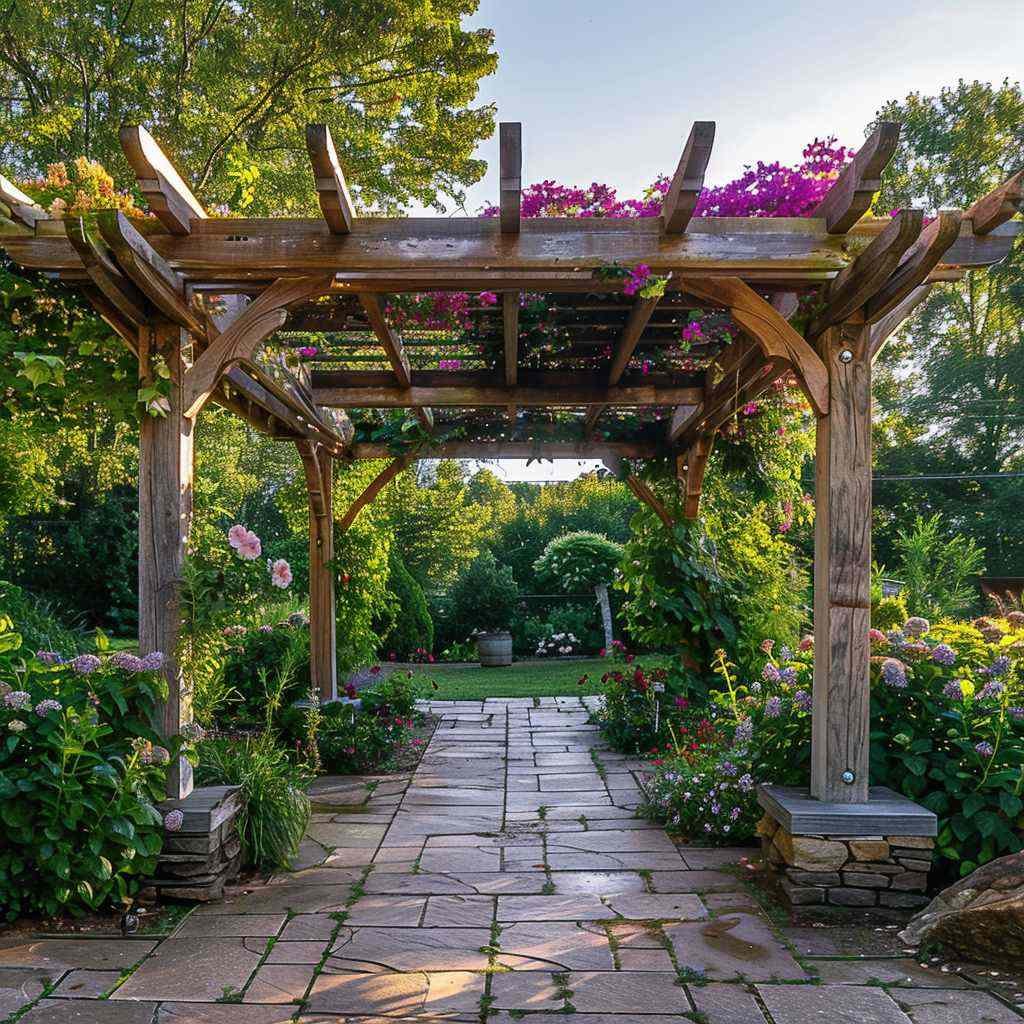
(207, 293)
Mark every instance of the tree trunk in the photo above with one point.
(601, 590)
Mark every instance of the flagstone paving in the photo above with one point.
(506, 879)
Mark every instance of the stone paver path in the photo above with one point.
(507, 879)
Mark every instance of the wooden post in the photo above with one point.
(323, 666)
(165, 514)
(842, 571)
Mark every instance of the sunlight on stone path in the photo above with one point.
(507, 876)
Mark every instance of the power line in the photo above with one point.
(951, 476)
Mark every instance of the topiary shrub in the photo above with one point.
(413, 627)
(484, 598)
(583, 561)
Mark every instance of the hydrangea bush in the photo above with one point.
(80, 774)
(947, 730)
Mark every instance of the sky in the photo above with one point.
(608, 91)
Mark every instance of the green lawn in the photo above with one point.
(544, 679)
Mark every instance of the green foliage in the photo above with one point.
(364, 738)
(947, 729)
(78, 782)
(575, 562)
(484, 597)
(231, 86)
(937, 570)
(630, 717)
(949, 387)
(275, 807)
(413, 628)
(265, 668)
(437, 528)
(888, 613)
(37, 621)
(675, 592)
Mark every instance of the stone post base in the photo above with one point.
(205, 854)
(855, 855)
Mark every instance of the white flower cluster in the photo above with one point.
(558, 643)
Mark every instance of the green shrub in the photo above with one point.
(413, 628)
(37, 621)
(938, 569)
(79, 778)
(947, 728)
(275, 807)
(888, 613)
(265, 666)
(579, 561)
(583, 621)
(484, 597)
(633, 715)
(366, 736)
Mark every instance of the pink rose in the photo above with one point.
(281, 574)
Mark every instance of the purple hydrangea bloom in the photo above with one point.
(954, 689)
(916, 626)
(152, 662)
(85, 664)
(49, 657)
(785, 653)
(985, 749)
(44, 707)
(746, 783)
(992, 689)
(894, 673)
(126, 661)
(896, 638)
(943, 654)
(728, 768)
(788, 675)
(770, 674)
(744, 731)
(803, 700)
(773, 707)
(999, 667)
(18, 699)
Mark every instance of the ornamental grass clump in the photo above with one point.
(81, 770)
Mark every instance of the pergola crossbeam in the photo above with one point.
(332, 191)
(164, 188)
(868, 273)
(510, 169)
(684, 190)
(996, 208)
(852, 192)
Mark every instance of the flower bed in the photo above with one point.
(80, 775)
(947, 730)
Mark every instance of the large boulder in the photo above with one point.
(981, 917)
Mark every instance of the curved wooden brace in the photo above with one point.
(106, 275)
(643, 493)
(379, 482)
(774, 335)
(690, 470)
(239, 341)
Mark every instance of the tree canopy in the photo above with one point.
(950, 388)
(228, 88)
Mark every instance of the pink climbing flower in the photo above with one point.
(246, 544)
(308, 351)
(488, 299)
(750, 408)
(280, 573)
(636, 279)
(692, 331)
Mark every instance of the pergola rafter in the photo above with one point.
(207, 293)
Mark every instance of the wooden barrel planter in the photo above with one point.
(495, 649)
